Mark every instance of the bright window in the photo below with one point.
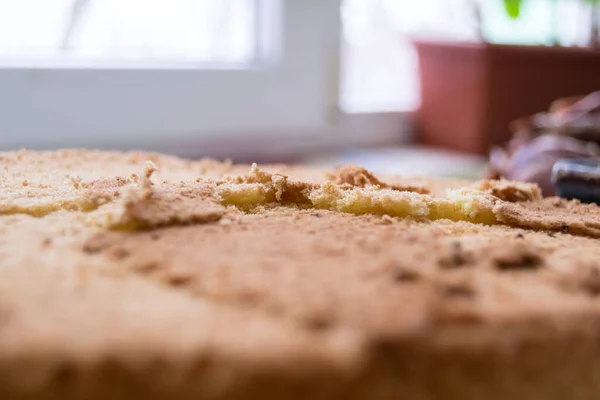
(113, 73)
(150, 73)
(379, 62)
(196, 74)
(198, 31)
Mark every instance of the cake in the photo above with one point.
(138, 275)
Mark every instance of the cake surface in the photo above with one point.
(135, 275)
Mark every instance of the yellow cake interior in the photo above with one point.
(260, 188)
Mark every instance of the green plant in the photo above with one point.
(513, 10)
(513, 7)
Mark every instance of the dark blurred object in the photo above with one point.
(577, 179)
(531, 160)
(471, 92)
(577, 117)
(571, 129)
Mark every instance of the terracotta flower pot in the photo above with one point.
(471, 92)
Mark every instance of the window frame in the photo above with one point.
(289, 103)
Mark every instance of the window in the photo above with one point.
(141, 31)
(542, 22)
(224, 75)
(380, 63)
(228, 75)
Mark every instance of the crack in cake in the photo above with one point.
(136, 275)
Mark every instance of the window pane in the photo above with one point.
(543, 22)
(379, 65)
(378, 58)
(207, 31)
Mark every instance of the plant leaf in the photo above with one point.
(513, 7)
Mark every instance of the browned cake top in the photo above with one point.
(108, 262)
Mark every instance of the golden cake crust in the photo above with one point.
(119, 286)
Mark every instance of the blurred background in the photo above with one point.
(424, 87)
